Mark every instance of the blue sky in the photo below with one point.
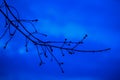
(70, 19)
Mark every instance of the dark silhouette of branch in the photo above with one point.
(42, 47)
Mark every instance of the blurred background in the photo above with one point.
(70, 19)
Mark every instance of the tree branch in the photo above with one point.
(45, 46)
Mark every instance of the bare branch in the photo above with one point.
(46, 47)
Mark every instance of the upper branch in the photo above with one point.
(41, 45)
